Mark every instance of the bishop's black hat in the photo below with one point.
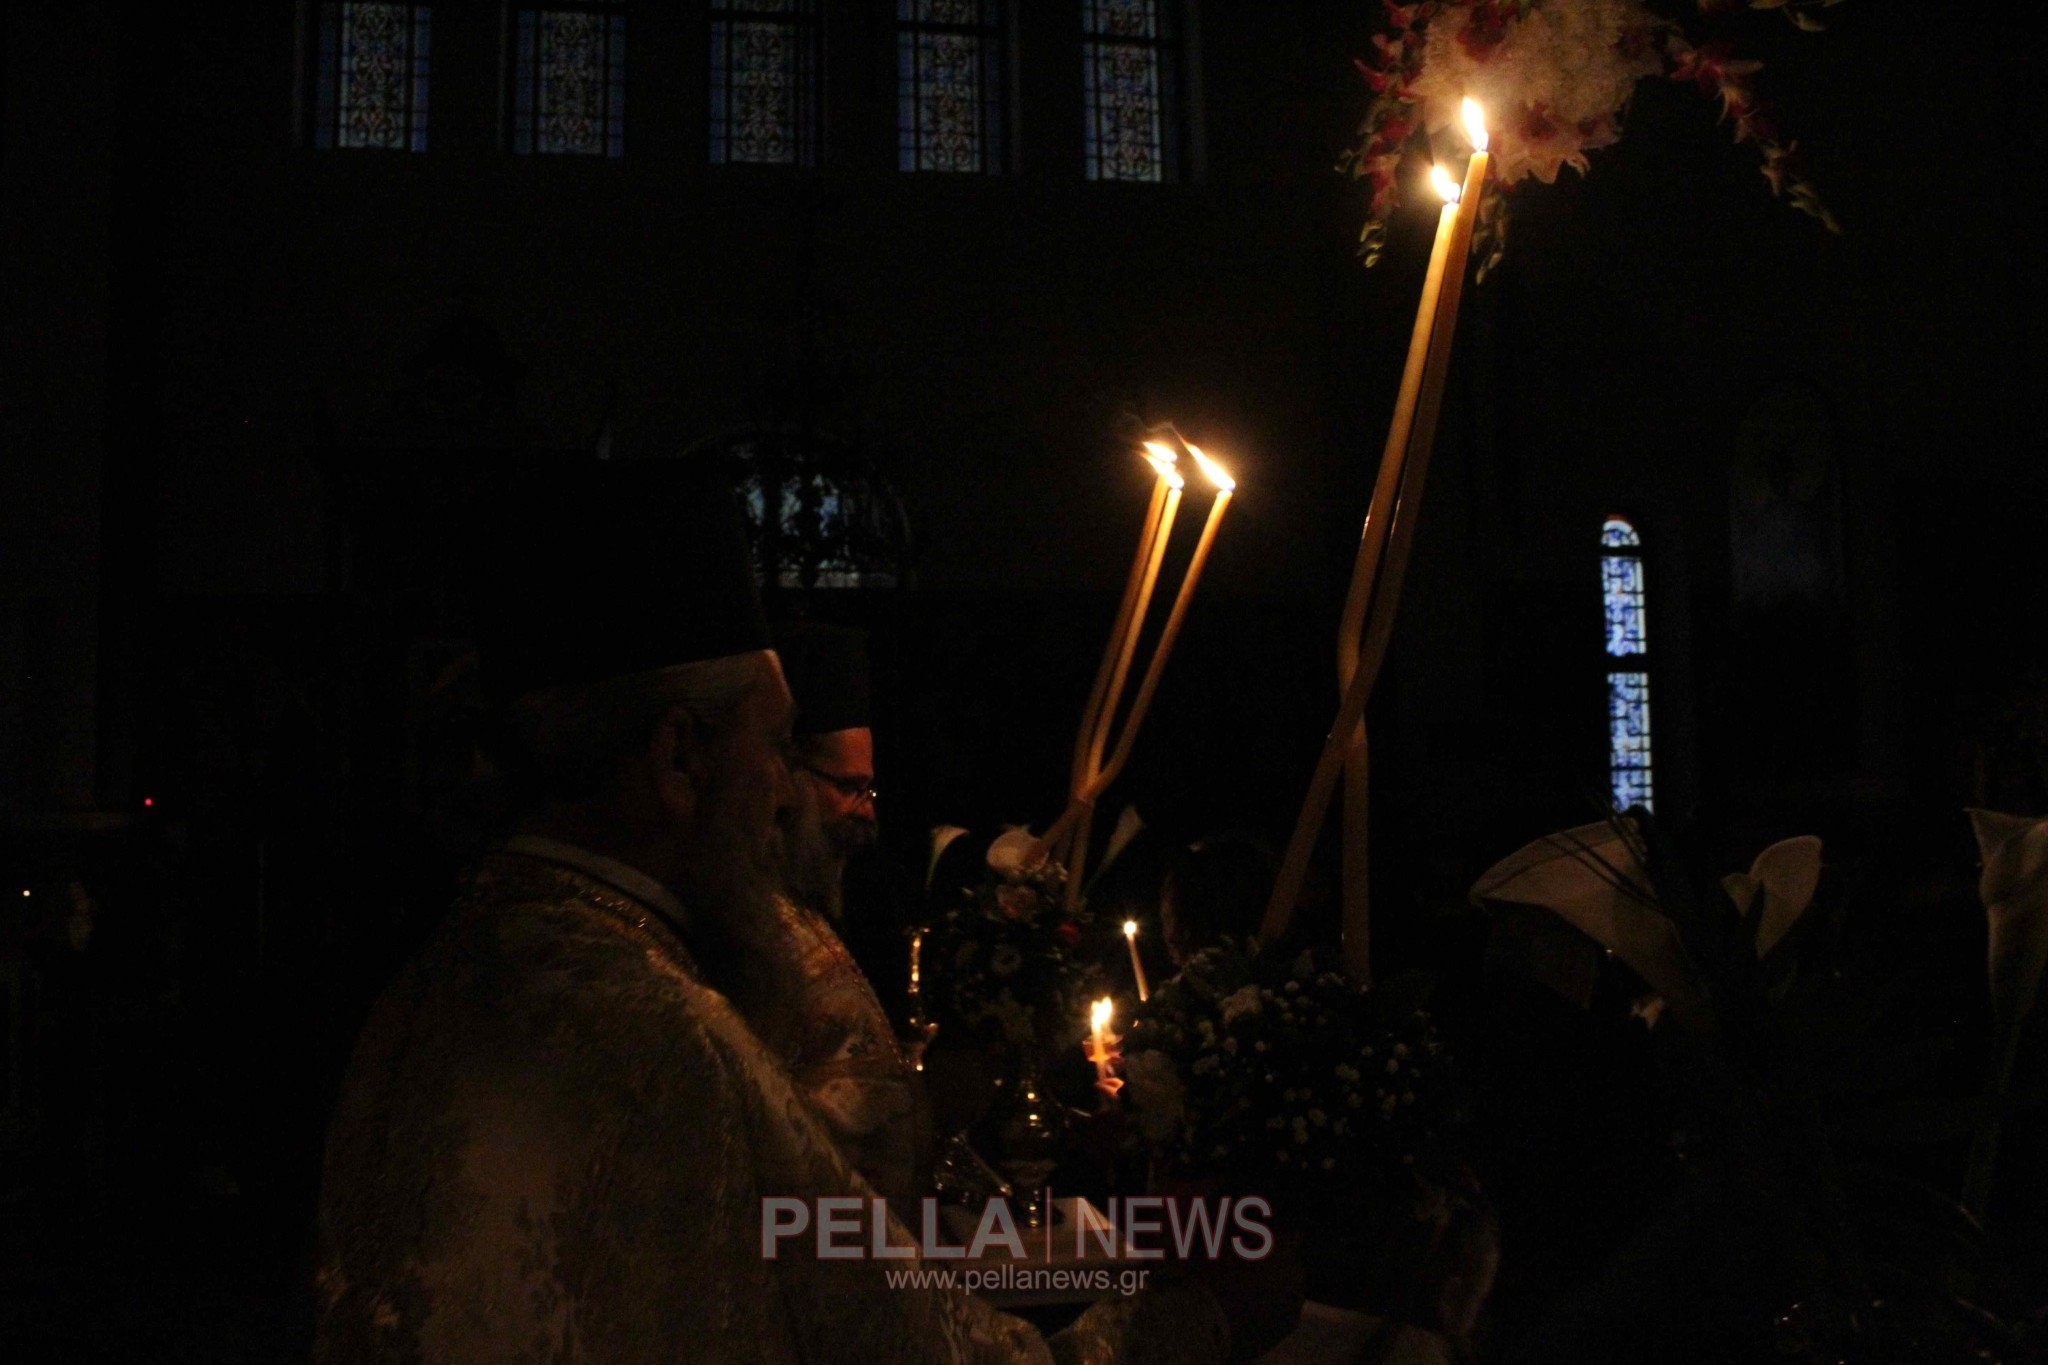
(602, 569)
(827, 670)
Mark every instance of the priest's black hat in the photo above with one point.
(601, 569)
(827, 671)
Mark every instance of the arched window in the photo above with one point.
(1628, 665)
(819, 514)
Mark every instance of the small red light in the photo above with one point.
(148, 801)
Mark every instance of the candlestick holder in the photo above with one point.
(1031, 1126)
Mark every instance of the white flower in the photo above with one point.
(1010, 855)
(1565, 62)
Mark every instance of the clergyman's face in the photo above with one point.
(839, 770)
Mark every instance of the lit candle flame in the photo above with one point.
(1212, 471)
(1440, 179)
(1475, 122)
(1130, 928)
(1098, 1016)
(1162, 459)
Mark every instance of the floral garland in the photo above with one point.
(1283, 1075)
(1556, 77)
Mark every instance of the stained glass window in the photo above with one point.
(569, 81)
(1128, 77)
(1628, 690)
(1621, 582)
(370, 76)
(764, 82)
(949, 84)
(1628, 739)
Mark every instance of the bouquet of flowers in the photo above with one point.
(1003, 954)
(1283, 1076)
(1555, 77)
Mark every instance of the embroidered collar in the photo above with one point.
(628, 881)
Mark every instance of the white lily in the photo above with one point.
(2015, 891)
(1785, 875)
(1011, 855)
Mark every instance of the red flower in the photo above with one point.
(1068, 933)
(1483, 30)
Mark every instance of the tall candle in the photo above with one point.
(1373, 536)
(1365, 571)
(1344, 747)
(1137, 964)
(1162, 461)
(1076, 818)
(1422, 441)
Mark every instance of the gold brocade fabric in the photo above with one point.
(553, 1143)
(861, 1087)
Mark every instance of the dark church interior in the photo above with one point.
(264, 372)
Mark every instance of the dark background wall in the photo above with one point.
(235, 450)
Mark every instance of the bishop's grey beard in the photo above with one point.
(730, 888)
(814, 855)
(812, 865)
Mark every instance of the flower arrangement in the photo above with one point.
(1556, 77)
(1003, 954)
(1274, 1075)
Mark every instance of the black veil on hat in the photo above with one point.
(827, 671)
(601, 569)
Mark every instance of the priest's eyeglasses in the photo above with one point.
(853, 789)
